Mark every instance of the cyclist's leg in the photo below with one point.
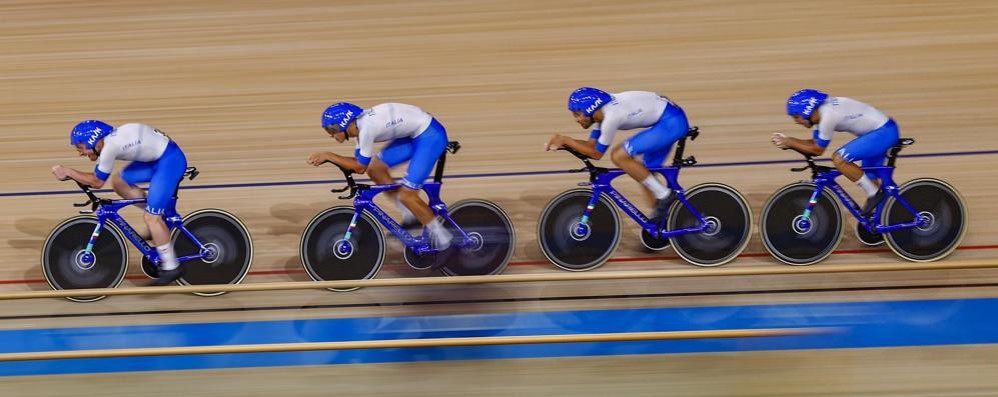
(653, 144)
(133, 174)
(871, 149)
(393, 154)
(427, 148)
(169, 169)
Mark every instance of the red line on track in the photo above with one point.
(544, 262)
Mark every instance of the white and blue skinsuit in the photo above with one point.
(875, 132)
(154, 158)
(665, 123)
(415, 137)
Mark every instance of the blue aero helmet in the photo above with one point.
(338, 116)
(804, 102)
(88, 132)
(588, 100)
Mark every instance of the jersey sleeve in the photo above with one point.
(365, 148)
(608, 128)
(594, 134)
(826, 128)
(105, 163)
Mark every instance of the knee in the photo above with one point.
(152, 219)
(407, 195)
(619, 155)
(119, 185)
(838, 161)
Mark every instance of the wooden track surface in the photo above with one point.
(241, 85)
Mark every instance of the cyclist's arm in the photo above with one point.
(86, 178)
(349, 163)
(587, 148)
(804, 145)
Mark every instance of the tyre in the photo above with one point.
(66, 265)
(229, 249)
(945, 217)
(729, 223)
(570, 245)
(327, 255)
(792, 240)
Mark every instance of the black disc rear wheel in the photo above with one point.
(944, 220)
(492, 236)
(729, 225)
(228, 249)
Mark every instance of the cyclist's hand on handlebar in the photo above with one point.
(779, 140)
(316, 159)
(556, 142)
(61, 173)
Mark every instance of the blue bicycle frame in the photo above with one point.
(600, 182)
(364, 194)
(106, 210)
(823, 177)
(601, 185)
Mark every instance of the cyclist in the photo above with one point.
(875, 134)
(663, 121)
(155, 158)
(413, 135)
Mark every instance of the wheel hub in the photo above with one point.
(342, 249)
(801, 225)
(85, 260)
(210, 253)
(712, 226)
(926, 221)
(474, 242)
(579, 231)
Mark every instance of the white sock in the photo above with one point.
(167, 258)
(439, 234)
(656, 187)
(868, 186)
(407, 215)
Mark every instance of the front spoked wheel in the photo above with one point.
(228, 249)
(729, 225)
(327, 254)
(572, 245)
(942, 215)
(492, 239)
(791, 238)
(66, 264)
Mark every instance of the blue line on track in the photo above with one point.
(483, 175)
(863, 325)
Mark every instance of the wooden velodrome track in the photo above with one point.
(241, 85)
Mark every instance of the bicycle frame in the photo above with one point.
(106, 210)
(601, 185)
(824, 176)
(600, 182)
(363, 201)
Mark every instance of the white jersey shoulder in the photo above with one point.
(629, 110)
(389, 121)
(848, 115)
(132, 142)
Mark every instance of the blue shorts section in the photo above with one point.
(162, 175)
(655, 142)
(421, 152)
(857, 325)
(871, 148)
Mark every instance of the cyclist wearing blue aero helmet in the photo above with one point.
(875, 134)
(663, 121)
(155, 159)
(415, 136)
